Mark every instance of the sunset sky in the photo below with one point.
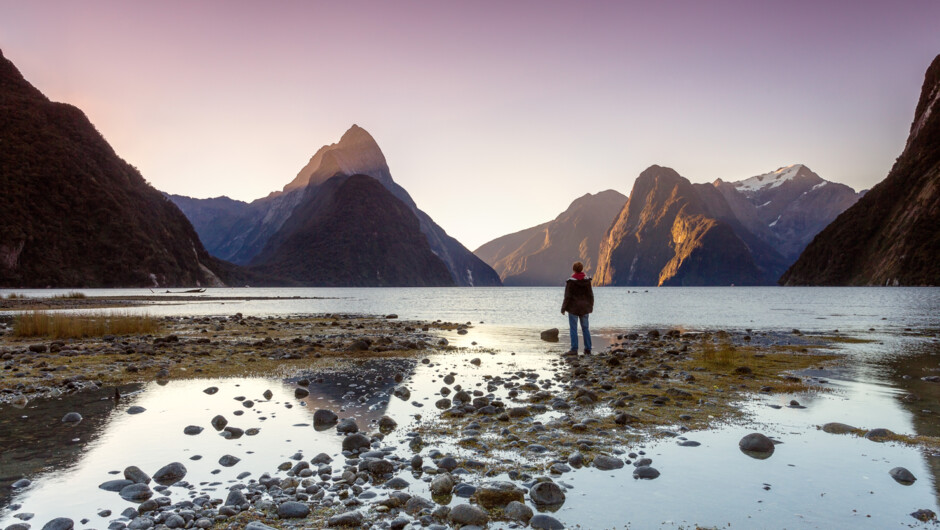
(494, 115)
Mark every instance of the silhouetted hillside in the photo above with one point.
(74, 214)
(351, 231)
(891, 235)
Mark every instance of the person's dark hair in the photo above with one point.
(577, 267)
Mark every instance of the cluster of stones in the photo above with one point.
(366, 488)
(197, 340)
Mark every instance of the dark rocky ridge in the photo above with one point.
(542, 255)
(319, 246)
(667, 234)
(240, 231)
(890, 236)
(74, 214)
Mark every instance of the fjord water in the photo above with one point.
(813, 480)
(767, 308)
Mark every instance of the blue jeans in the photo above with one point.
(573, 324)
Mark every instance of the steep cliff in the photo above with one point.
(73, 213)
(890, 236)
(666, 234)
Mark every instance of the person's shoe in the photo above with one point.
(570, 353)
(587, 352)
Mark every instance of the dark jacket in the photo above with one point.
(579, 297)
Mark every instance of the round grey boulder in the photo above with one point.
(356, 442)
(499, 493)
(140, 523)
(136, 410)
(377, 467)
(175, 520)
(324, 419)
(229, 460)
(756, 445)
(442, 484)
(545, 522)
(576, 459)
(387, 424)
(59, 523)
(645, 472)
(517, 511)
(236, 497)
(347, 426)
(71, 417)
(605, 462)
(902, 476)
(170, 474)
(402, 392)
(192, 430)
(136, 492)
(115, 485)
(546, 494)
(219, 422)
(136, 475)
(293, 510)
(348, 519)
(468, 514)
(837, 428)
(879, 435)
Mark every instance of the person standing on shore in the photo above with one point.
(578, 303)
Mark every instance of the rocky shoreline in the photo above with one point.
(493, 451)
(204, 347)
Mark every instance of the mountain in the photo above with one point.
(667, 234)
(890, 236)
(786, 208)
(318, 246)
(543, 254)
(239, 232)
(74, 214)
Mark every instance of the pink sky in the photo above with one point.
(494, 115)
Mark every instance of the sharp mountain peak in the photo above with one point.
(356, 152)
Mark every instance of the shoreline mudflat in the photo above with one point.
(105, 302)
(576, 411)
(205, 347)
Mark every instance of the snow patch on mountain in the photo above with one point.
(768, 180)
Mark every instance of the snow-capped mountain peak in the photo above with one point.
(770, 180)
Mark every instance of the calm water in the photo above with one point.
(813, 480)
(771, 308)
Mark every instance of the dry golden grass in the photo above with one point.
(16, 296)
(718, 351)
(67, 326)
